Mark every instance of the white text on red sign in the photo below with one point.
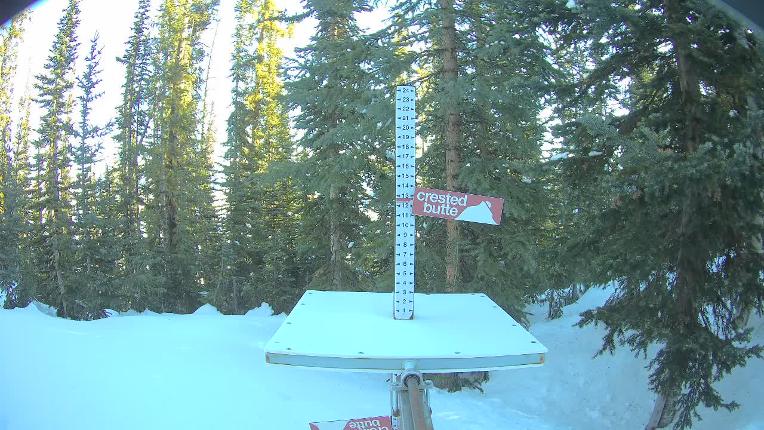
(457, 206)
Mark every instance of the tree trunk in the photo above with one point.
(663, 412)
(689, 268)
(453, 131)
(171, 162)
(129, 136)
(39, 180)
(235, 296)
(335, 240)
(59, 277)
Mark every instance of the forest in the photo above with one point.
(625, 137)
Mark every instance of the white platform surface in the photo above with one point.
(355, 331)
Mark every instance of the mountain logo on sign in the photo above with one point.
(481, 213)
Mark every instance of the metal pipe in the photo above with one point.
(419, 409)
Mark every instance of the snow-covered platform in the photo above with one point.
(355, 331)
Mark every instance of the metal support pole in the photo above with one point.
(410, 402)
(420, 410)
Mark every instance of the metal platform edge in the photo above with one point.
(387, 365)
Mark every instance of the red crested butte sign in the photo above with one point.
(375, 423)
(457, 206)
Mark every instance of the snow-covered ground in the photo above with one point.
(207, 371)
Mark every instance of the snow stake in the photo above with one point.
(405, 179)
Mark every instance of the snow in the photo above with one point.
(264, 310)
(207, 371)
(559, 156)
(207, 310)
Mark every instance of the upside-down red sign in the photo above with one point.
(457, 206)
(374, 423)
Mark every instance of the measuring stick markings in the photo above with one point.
(405, 179)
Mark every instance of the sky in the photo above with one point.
(113, 21)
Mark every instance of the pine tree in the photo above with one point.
(53, 241)
(262, 219)
(484, 73)
(137, 281)
(667, 188)
(235, 266)
(275, 199)
(335, 90)
(507, 79)
(10, 36)
(11, 175)
(178, 179)
(133, 121)
(86, 226)
(17, 275)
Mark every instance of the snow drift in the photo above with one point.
(207, 371)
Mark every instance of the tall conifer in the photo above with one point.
(482, 73)
(53, 241)
(10, 36)
(663, 132)
(13, 156)
(17, 275)
(178, 178)
(334, 89)
(262, 219)
(139, 278)
(235, 266)
(133, 119)
(87, 225)
(507, 78)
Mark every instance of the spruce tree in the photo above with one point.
(276, 203)
(133, 119)
(506, 81)
(177, 174)
(17, 275)
(427, 33)
(663, 132)
(10, 36)
(335, 89)
(13, 156)
(138, 279)
(452, 133)
(87, 225)
(484, 74)
(235, 266)
(260, 246)
(107, 260)
(207, 227)
(52, 236)
(442, 104)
